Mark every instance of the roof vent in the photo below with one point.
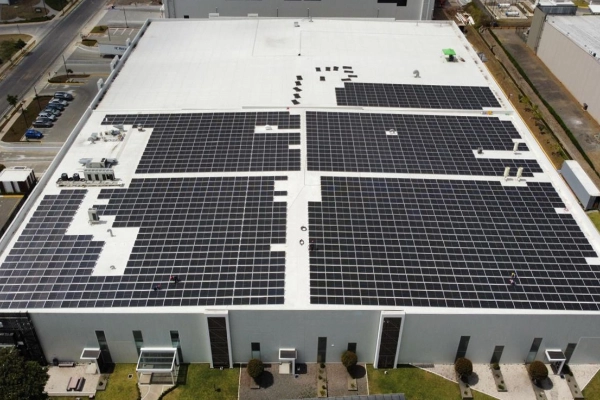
(268, 128)
(480, 150)
(416, 73)
(296, 25)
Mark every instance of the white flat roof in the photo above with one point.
(248, 63)
(251, 65)
(584, 178)
(15, 174)
(581, 29)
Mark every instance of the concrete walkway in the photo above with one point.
(517, 381)
(554, 92)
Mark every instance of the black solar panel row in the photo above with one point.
(214, 234)
(215, 142)
(447, 244)
(416, 96)
(426, 144)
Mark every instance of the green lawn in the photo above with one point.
(416, 384)
(202, 382)
(595, 217)
(119, 386)
(592, 390)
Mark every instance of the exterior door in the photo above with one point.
(388, 344)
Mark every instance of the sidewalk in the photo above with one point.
(552, 90)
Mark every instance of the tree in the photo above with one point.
(538, 371)
(255, 368)
(12, 100)
(20, 379)
(463, 367)
(349, 359)
(20, 44)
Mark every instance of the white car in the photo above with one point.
(46, 115)
(63, 103)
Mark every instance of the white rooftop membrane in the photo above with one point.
(252, 65)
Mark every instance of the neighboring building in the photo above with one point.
(315, 187)
(17, 180)
(400, 10)
(569, 45)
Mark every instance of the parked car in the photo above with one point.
(33, 134)
(63, 95)
(42, 123)
(54, 111)
(49, 116)
(56, 106)
(63, 103)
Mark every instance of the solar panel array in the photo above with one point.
(445, 243)
(46, 265)
(214, 234)
(215, 142)
(426, 144)
(416, 96)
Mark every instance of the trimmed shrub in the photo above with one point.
(349, 359)
(538, 371)
(463, 367)
(255, 368)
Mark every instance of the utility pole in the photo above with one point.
(23, 112)
(65, 63)
(37, 98)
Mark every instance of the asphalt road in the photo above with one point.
(22, 78)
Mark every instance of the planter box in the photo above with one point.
(465, 389)
(352, 385)
(322, 382)
(573, 387)
(498, 379)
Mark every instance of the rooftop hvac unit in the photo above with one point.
(94, 137)
(504, 5)
(93, 214)
(512, 13)
(296, 25)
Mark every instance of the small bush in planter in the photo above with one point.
(349, 359)
(463, 367)
(538, 371)
(255, 368)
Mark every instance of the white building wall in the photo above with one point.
(65, 335)
(575, 68)
(426, 338)
(434, 338)
(301, 330)
(414, 10)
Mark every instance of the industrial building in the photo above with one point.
(400, 10)
(288, 189)
(569, 45)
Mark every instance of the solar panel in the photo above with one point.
(426, 144)
(214, 234)
(446, 243)
(416, 96)
(215, 142)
